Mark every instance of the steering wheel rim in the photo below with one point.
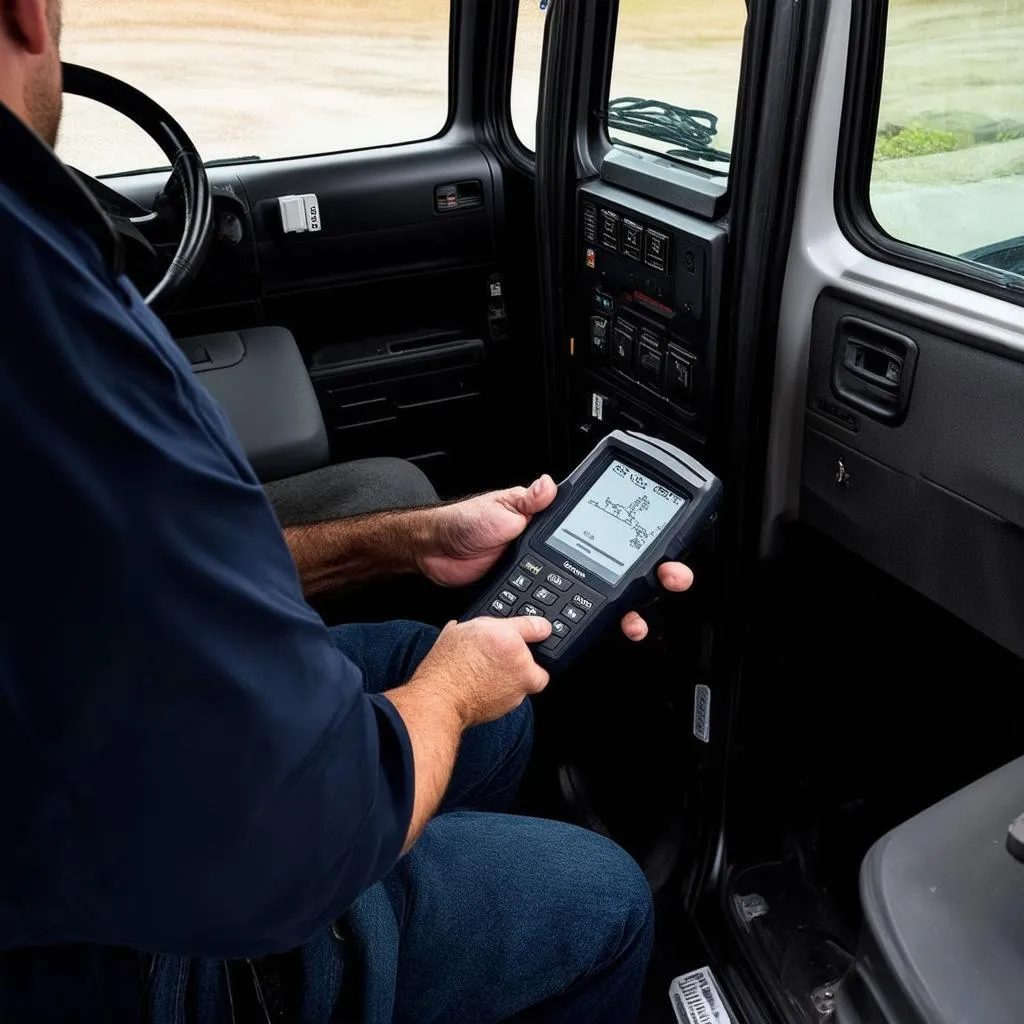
(185, 162)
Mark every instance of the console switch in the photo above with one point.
(623, 343)
(656, 245)
(599, 335)
(610, 230)
(679, 374)
(649, 363)
(632, 240)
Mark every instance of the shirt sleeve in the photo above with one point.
(214, 780)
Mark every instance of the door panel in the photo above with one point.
(937, 499)
(381, 216)
(397, 303)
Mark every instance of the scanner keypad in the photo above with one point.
(534, 588)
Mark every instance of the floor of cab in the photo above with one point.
(850, 722)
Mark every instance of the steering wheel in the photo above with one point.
(188, 176)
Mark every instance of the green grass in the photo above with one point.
(915, 140)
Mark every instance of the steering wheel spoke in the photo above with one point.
(113, 203)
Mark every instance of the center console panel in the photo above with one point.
(647, 314)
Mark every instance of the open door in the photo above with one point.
(881, 672)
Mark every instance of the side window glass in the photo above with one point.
(948, 170)
(525, 95)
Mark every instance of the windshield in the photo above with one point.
(675, 78)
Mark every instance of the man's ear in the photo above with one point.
(26, 23)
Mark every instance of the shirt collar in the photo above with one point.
(34, 172)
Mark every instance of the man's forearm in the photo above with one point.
(435, 727)
(333, 554)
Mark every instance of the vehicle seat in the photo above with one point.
(943, 902)
(260, 380)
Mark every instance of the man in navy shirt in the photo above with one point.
(192, 764)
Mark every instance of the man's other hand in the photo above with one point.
(465, 539)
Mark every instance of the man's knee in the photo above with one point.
(624, 896)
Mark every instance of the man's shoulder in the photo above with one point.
(28, 236)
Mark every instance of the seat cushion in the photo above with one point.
(349, 489)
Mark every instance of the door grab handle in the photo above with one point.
(873, 369)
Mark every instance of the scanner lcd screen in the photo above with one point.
(615, 521)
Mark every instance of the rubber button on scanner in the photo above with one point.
(499, 607)
(573, 614)
(531, 609)
(556, 581)
(545, 596)
(520, 581)
(508, 597)
(559, 628)
(582, 602)
(535, 568)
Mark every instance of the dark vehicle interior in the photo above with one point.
(849, 656)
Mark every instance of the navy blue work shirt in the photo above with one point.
(187, 765)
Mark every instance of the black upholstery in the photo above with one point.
(260, 380)
(349, 489)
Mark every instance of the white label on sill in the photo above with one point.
(597, 406)
(696, 1000)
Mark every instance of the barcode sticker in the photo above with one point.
(696, 1000)
(597, 406)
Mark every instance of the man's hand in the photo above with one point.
(476, 672)
(465, 539)
(484, 666)
(468, 537)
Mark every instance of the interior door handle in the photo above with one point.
(873, 369)
(874, 363)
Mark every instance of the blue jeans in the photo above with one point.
(504, 917)
(489, 917)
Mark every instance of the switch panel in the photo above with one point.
(647, 311)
